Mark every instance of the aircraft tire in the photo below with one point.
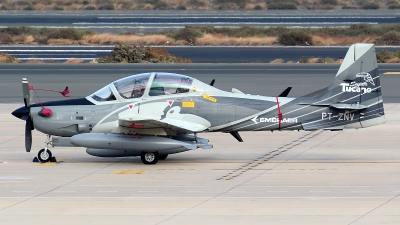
(43, 158)
(162, 157)
(149, 157)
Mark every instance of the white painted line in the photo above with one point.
(236, 191)
(247, 17)
(106, 191)
(148, 191)
(207, 197)
(319, 191)
(278, 191)
(64, 191)
(191, 191)
(16, 54)
(14, 178)
(22, 191)
(360, 191)
(53, 50)
(53, 58)
(214, 23)
(318, 186)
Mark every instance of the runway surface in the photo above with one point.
(346, 177)
(164, 20)
(261, 79)
(198, 54)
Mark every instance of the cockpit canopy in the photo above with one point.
(137, 86)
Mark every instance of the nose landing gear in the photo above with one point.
(44, 154)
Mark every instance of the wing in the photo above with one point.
(185, 123)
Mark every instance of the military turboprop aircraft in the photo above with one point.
(155, 114)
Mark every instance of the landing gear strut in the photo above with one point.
(44, 154)
(149, 157)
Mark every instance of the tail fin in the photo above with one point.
(357, 85)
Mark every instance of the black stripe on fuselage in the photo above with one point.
(77, 101)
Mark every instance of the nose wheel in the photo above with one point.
(44, 156)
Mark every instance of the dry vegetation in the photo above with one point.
(209, 35)
(124, 53)
(6, 58)
(107, 39)
(194, 4)
(277, 61)
(74, 60)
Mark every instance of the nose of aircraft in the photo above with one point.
(21, 113)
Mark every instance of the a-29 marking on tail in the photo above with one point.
(156, 114)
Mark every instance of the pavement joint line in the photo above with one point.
(258, 161)
(379, 206)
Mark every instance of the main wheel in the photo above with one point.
(44, 156)
(149, 157)
(162, 157)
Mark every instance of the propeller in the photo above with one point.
(29, 123)
(28, 135)
(23, 113)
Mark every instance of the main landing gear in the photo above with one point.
(149, 157)
(44, 154)
(152, 157)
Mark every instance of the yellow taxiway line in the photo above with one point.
(392, 73)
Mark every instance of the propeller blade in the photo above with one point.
(25, 92)
(28, 135)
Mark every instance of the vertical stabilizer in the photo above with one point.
(357, 83)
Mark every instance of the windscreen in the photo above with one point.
(104, 94)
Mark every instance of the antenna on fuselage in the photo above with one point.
(212, 82)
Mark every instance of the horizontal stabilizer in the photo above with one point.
(285, 93)
(338, 105)
(348, 106)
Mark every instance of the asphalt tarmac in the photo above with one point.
(141, 21)
(259, 79)
(342, 177)
(198, 54)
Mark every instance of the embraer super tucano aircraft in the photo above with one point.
(155, 114)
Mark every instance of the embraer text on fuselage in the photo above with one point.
(273, 120)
